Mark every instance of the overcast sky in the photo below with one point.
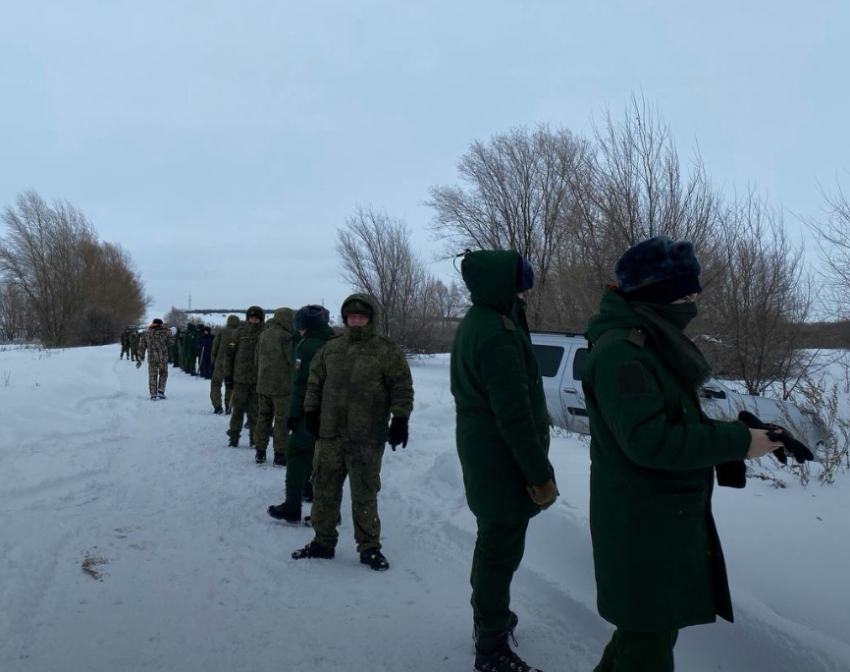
(222, 143)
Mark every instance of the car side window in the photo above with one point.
(579, 362)
(548, 359)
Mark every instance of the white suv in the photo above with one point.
(562, 357)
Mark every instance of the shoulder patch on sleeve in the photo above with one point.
(631, 380)
(508, 323)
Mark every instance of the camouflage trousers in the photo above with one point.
(215, 394)
(272, 409)
(336, 459)
(157, 376)
(244, 401)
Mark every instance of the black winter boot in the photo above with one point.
(234, 442)
(314, 550)
(374, 559)
(279, 460)
(260, 456)
(290, 513)
(493, 654)
(510, 631)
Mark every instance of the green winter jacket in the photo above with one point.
(357, 380)
(240, 360)
(502, 426)
(219, 346)
(302, 355)
(657, 556)
(274, 355)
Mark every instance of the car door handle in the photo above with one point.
(569, 390)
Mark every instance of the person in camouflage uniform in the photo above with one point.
(355, 383)
(273, 362)
(125, 344)
(134, 345)
(240, 372)
(219, 348)
(311, 322)
(502, 436)
(155, 341)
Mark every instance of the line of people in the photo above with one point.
(654, 454)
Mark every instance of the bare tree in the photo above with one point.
(378, 258)
(757, 306)
(179, 318)
(52, 255)
(516, 195)
(631, 187)
(833, 238)
(13, 311)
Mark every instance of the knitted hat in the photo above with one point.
(658, 270)
(308, 317)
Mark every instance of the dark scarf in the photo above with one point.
(665, 324)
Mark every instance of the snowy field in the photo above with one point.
(133, 539)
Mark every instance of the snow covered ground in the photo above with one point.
(133, 539)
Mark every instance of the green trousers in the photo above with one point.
(498, 551)
(272, 410)
(215, 394)
(244, 401)
(299, 463)
(335, 460)
(638, 652)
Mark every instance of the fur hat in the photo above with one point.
(358, 307)
(156, 322)
(658, 270)
(308, 317)
(255, 311)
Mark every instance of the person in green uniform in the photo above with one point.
(654, 454)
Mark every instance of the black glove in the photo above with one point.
(218, 410)
(311, 419)
(791, 446)
(228, 382)
(292, 423)
(732, 474)
(397, 433)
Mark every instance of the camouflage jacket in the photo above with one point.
(357, 380)
(156, 340)
(240, 360)
(225, 335)
(274, 355)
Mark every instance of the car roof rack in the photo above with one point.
(578, 334)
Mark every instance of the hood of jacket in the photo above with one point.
(370, 328)
(283, 317)
(491, 277)
(232, 321)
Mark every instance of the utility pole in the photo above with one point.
(190, 302)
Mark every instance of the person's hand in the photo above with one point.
(397, 433)
(761, 444)
(292, 423)
(139, 364)
(788, 445)
(544, 495)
